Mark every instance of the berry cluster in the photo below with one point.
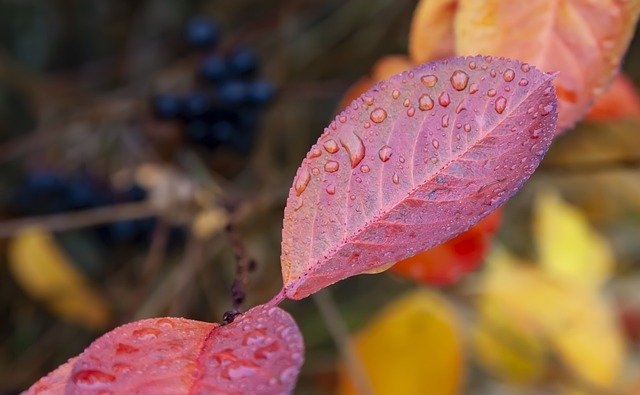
(224, 111)
(47, 192)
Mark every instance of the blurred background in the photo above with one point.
(133, 132)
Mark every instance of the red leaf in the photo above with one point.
(621, 100)
(448, 262)
(416, 160)
(259, 353)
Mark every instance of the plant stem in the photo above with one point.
(340, 334)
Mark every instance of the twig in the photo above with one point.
(340, 334)
(244, 265)
(79, 219)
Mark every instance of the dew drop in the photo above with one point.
(467, 127)
(429, 80)
(302, 180)
(364, 168)
(355, 149)
(509, 75)
(473, 88)
(385, 153)
(331, 166)
(314, 153)
(491, 92)
(535, 133)
(501, 104)
(435, 143)
(331, 189)
(92, 378)
(525, 67)
(493, 73)
(342, 119)
(546, 110)
(459, 80)
(315, 171)
(434, 160)
(331, 146)
(460, 107)
(444, 99)
(368, 100)
(523, 82)
(395, 178)
(367, 125)
(472, 65)
(406, 102)
(425, 102)
(411, 111)
(165, 323)
(122, 349)
(445, 121)
(146, 333)
(378, 115)
(395, 94)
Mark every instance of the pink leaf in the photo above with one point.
(411, 163)
(259, 353)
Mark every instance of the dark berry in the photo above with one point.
(213, 68)
(201, 33)
(134, 193)
(123, 231)
(45, 181)
(198, 132)
(260, 92)
(167, 106)
(223, 131)
(233, 93)
(243, 62)
(195, 105)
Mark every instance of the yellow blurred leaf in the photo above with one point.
(582, 39)
(210, 221)
(413, 346)
(431, 35)
(524, 303)
(568, 248)
(44, 271)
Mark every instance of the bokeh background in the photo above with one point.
(134, 201)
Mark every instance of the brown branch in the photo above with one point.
(79, 219)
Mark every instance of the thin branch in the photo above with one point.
(340, 334)
(79, 219)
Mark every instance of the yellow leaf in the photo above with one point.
(506, 339)
(209, 221)
(44, 271)
(582, 39)
(574, 323)
(431, 35)
(413, 346)
(569, 249)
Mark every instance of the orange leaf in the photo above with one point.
(621, 100)
(431, 36)
(448, 262)
(583, 40)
